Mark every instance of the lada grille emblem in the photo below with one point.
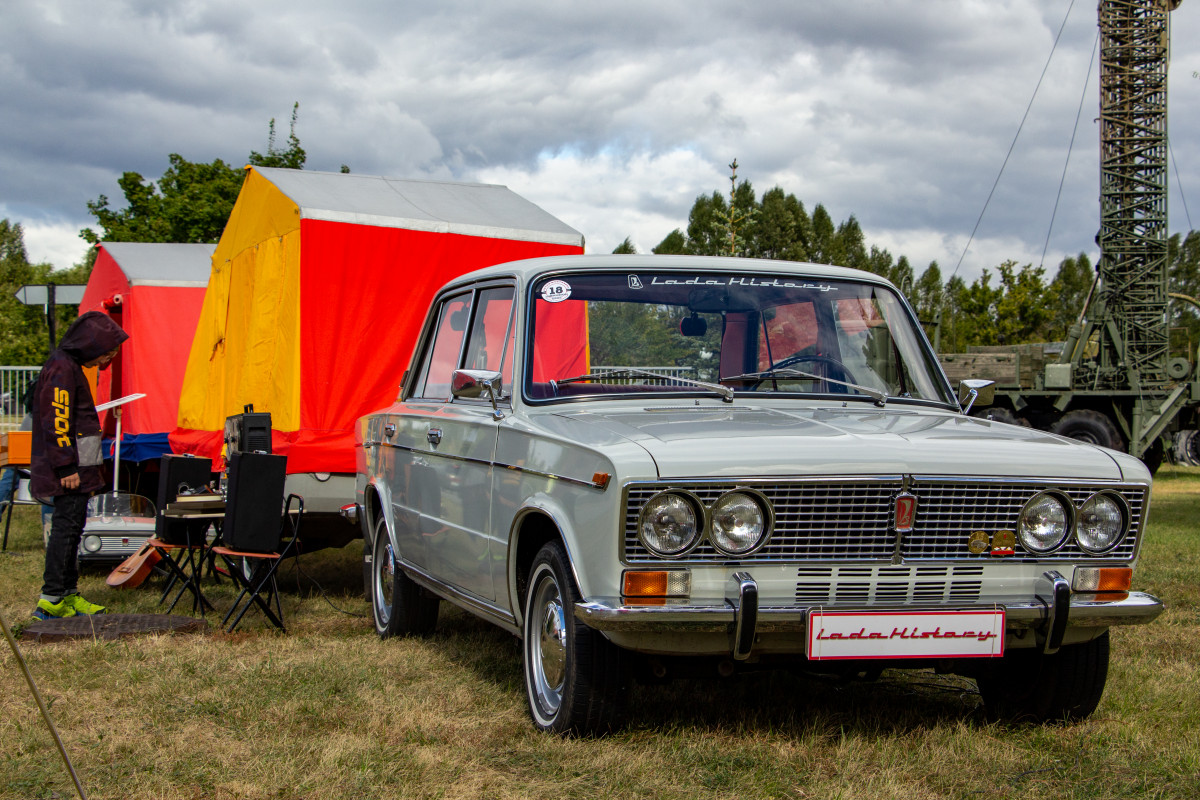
(906, 512)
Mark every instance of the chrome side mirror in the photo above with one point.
(473, 383)
(975, 391)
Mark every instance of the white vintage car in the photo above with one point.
(655, 465)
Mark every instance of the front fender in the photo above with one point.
(552, 509)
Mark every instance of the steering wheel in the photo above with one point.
(800, 358)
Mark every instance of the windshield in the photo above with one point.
(726, 335)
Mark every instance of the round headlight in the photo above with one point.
(738, 523)
(670, 524)
(92, 543)
(1101, 523)
(1044, 523)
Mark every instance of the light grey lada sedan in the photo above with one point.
(656, 465)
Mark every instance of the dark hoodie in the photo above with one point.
(66, 428)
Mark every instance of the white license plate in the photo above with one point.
(905, 634)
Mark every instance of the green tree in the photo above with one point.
(781, 228)
(927, 299)
(23, 335)
(625, 248)
(704, 235)
(1023, 309)
(1070, 289)
(190, 203)
(823, 248)
(674, 243)
(291, 158)
(1183, 276)
(192, 200)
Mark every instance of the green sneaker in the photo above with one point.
(82, 607)
(47, 610)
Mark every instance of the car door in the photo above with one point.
(453, 442)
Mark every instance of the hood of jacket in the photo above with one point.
(91, 336)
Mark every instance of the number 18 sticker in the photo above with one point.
(556, 291)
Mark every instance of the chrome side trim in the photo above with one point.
(481, 608)
(608, 614)
(514, 467)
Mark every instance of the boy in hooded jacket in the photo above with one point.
(66, 459)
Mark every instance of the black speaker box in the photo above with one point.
(178, 473)
(249, 432)
(254, 502)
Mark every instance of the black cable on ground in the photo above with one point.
(299, 591)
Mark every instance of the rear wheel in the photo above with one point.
(1029, 686)
(400, 607)
(575, 679)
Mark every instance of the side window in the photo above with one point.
(489, 346)
(441, 359)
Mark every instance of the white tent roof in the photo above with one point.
(153, 264)
(472, 209)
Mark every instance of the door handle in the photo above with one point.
(434, 435)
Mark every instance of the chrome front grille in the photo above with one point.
(850, 520)
(900, 585)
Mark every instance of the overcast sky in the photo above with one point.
(613, 116)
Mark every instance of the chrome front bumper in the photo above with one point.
(1050, 611)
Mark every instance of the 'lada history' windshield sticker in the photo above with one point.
(556, 291)
(739, 280)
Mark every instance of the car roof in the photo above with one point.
(531, 269)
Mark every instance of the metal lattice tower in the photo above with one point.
(1133, 196)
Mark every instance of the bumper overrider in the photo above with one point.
(1053, 608)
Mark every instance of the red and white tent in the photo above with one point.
(318, 289)
(155, 292)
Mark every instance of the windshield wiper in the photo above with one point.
(787, 372)
(626, 372)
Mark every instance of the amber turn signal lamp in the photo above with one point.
(1103, 579)
(645, 584)
(639, 585)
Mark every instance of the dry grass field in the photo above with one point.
(330, 711)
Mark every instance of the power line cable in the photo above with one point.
(1014, 141)
(1070, 148)
(1179, 183)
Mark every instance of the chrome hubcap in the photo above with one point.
(548, 647)
(385, 574)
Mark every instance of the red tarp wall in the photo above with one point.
(364, 293)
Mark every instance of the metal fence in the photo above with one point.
(668, 375)
(14, 383)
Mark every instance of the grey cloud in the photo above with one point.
(898, 112)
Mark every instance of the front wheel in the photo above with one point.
(575, 679)
(1028, 686)
(400, 607)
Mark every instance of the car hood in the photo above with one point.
(744, 440)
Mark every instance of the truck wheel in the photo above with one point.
(575, 679)
(1089, 426)
(400, 607)
(1153, 456)
(1028, 686)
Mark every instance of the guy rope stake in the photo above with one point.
(37, 696)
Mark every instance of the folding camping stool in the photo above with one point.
(185, 565)
(255, 571)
